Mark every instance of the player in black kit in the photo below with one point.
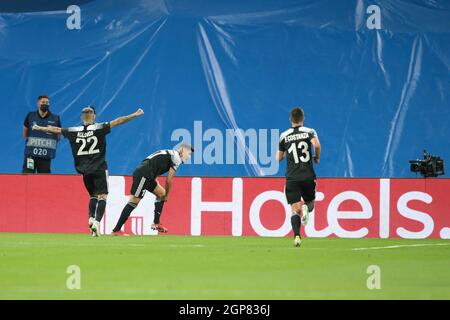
(296, 143)
(144, 178)
(88, 143)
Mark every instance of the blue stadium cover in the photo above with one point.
(372, 76)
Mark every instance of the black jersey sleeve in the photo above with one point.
(281, 146)
(104, 128)
(312, 134)
(69, 133)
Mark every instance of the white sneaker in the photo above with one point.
(305, 215)
(95, 228)
(297, 241)
(91, 222)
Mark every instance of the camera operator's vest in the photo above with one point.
(41, 144)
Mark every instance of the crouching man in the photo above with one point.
(144, 178)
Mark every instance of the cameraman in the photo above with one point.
(40, 146)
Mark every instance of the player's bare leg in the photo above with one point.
(160, 193)
(295, 222)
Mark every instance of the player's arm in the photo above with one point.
(50, 129)
(125, 119)
(316, 143)
(168, 183)
(25, 132)
(281, 155)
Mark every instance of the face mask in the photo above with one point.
(44, 107)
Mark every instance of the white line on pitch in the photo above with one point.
(403, 246)
(187, 245)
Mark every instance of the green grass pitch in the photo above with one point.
(33, 266)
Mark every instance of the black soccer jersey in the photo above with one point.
(297, 144)
(88, 145)
(160, 162)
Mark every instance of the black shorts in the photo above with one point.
(96, 182)
(296, 190)
(142, 182)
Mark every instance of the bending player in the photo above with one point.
(297, 143)
(88, 144)
(144, 178)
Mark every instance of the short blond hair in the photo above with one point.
(186, 146)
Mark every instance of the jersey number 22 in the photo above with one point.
(84, 143)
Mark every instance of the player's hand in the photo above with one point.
(316, 160)
(36, 127)
(163, 199)
(139, 112)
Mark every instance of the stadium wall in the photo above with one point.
(373, 77)
(345, 207)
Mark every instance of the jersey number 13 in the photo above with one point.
(303, 148)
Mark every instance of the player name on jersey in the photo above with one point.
(297, 136)
(85, 134)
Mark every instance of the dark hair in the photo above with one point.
(297, 115)
(42, 97)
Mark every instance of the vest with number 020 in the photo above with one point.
(41, 144)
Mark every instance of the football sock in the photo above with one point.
(310, 206)
(92, 206)
(295, 222)
(124, 215)
(101, 205)
(158, 211)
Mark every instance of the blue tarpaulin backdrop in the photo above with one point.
(376, 96)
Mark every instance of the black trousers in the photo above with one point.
(41, 165)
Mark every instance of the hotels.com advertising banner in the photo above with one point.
(345, 207)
